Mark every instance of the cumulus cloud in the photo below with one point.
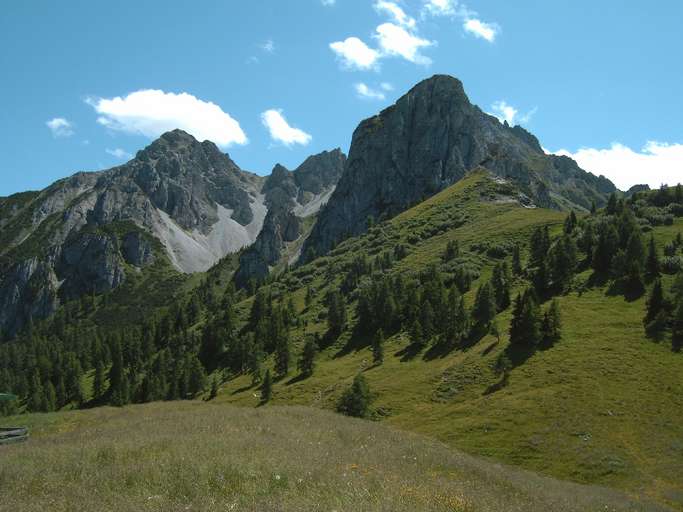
(440, 7)
(393, 10)
(281, 131)
(151, 112)
(487, 31)
(60, 127)
(365, 92)
(355, 54)
(119, 153)
(654, 164)
(394, 40)
(328, 3)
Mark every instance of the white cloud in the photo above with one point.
(505, 112)
(327, 3)
(119, 153)
(487, 31)
(393, 10)
(440, 7)
(386, 86)
(656, 163)
(355, 54)
(60, 127)
(268, 46)
(151, 112)
(281, 131)
(368, 93)
(397, 41)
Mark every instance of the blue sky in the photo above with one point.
(85, 84)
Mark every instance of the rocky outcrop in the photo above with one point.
(429, 140)
(290, 196)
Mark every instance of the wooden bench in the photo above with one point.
(13, 435)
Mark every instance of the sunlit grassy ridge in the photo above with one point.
(605, 405)
(198, 456)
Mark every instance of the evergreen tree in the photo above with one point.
(356, 400)
(612, 205)
(484, 309)
(282, 354)
(307, 359)
(416, 334)
(309, 296)
(677, 327)
(656, 303)
(336, 313)
(525, 327)
(570, 223)
(563, 260)
(50, 401)
(652, 266)
(502, 282)
(214, 388)
(605, 248)
(551, 328)
(516, 260)
(267, 388)
(196, 375)
(635, 250)
(539, 246)
(378, 348)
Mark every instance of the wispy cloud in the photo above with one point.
(328, 3)
(656, 163)
(119, 153)
(281, 131)
(151, 112)
(487, 31)
(506, 112)
(268, 46)
(60, 127)
(368, 93)
(471, 22)
(396, 12)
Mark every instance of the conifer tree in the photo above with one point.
(502, 282)
(378, 348)
(605, 248)
(356, 400)
(484, 309)
(307, 359)
(656, 303)
(416, 334)
(594, 208)
(652, 266)
(282, 354)
(516, 260)
(570, 223)
(525, 327)
(677, 327)
(267, 388)
(551, 328)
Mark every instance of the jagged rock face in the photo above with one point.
(290, 196)
(429, 140)
(28, 290)
(187, 194)
(90, 263)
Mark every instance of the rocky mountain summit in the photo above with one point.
(426, 142)
(179, 199)
(291, 197)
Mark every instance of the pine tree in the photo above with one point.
(378, 348)
(551, 328)
(605, 248)
(525, 327)
(307, 359)
(612, 205)
(282, 354)
(656, 303)
(196, 375)
(309, 296)
(356, 400)
(416, 334)
(484, 309)
(267, 388)
(516, 260)
(594, 208)
(652, 266)
(214, 388)
(570, 223)
(677, 327)
(502, 282)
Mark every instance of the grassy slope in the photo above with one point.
(199, 456)
(603, 406)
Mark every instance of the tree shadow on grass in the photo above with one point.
(297, 378)
(410, 352)
(357, 340)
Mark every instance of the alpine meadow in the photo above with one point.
(432, 311)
